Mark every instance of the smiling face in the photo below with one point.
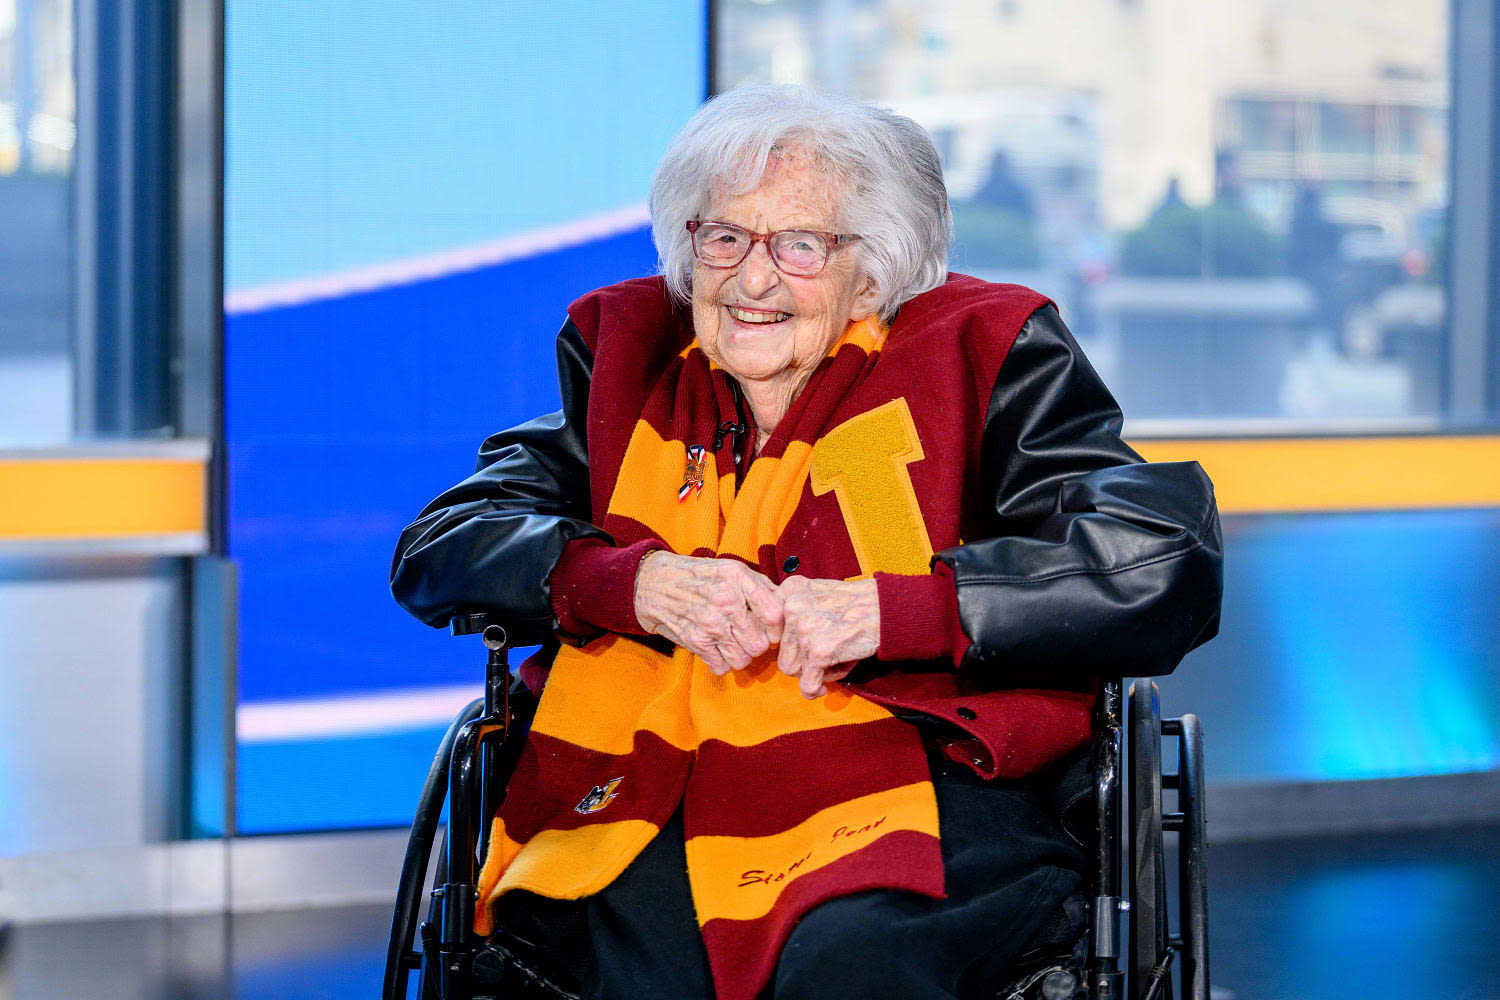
(767, 329)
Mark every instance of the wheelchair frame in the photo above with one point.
(480, 747)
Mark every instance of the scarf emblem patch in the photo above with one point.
(692, 475)
(599, 797)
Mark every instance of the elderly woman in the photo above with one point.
(826, 549)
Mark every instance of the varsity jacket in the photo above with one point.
(1077, 560)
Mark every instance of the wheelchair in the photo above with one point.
(476, 756)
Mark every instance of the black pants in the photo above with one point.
(1009, 867)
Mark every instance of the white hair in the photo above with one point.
(885, 166)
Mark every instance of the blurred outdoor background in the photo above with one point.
(1241, 207)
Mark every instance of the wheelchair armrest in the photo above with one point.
(471, 623)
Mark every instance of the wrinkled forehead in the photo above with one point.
(787, 161)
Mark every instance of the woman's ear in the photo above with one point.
(865, 301)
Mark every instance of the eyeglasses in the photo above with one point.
(799, 252)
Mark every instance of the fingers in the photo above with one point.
(708, 650)
(815, 660)
(807, 664)
(720, 609)
(747, 621)
(765, 602)
(811, 682)
(733, 655)
(729, 614)
(798, 656)
(741, 632)
(833, 675)
(828, 626)
(800, 628)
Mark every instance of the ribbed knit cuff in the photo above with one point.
(919, 616)
(593, 586)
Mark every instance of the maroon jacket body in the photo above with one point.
(1060, 557)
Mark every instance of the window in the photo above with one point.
(1249, 228)
(36, 167)
(88, 146)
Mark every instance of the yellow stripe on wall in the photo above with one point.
(1329, 474)
(66, 498)
(97, 498)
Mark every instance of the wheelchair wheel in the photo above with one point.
(401, 960)
(427, 985)
(1150, 949)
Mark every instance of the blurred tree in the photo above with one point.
(989, 237)
(1221, 240)
(1003, 189)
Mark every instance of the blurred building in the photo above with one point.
(1108, 111)
(1342, 90)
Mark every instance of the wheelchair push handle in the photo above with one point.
(497, 669)
(496, 673)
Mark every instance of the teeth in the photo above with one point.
(758, 317)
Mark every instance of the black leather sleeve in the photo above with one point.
(1094, 563)
(491, 542)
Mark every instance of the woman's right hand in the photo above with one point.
(720, 609)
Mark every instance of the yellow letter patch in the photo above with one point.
(864, 460)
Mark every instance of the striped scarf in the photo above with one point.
(786, 802)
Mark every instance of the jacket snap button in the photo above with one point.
(967, 714)
(791, 564)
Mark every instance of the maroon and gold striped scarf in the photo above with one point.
(786, 802)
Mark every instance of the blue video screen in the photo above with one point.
(413, 194)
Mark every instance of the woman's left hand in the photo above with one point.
(828, 626)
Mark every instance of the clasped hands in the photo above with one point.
(728, 614)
